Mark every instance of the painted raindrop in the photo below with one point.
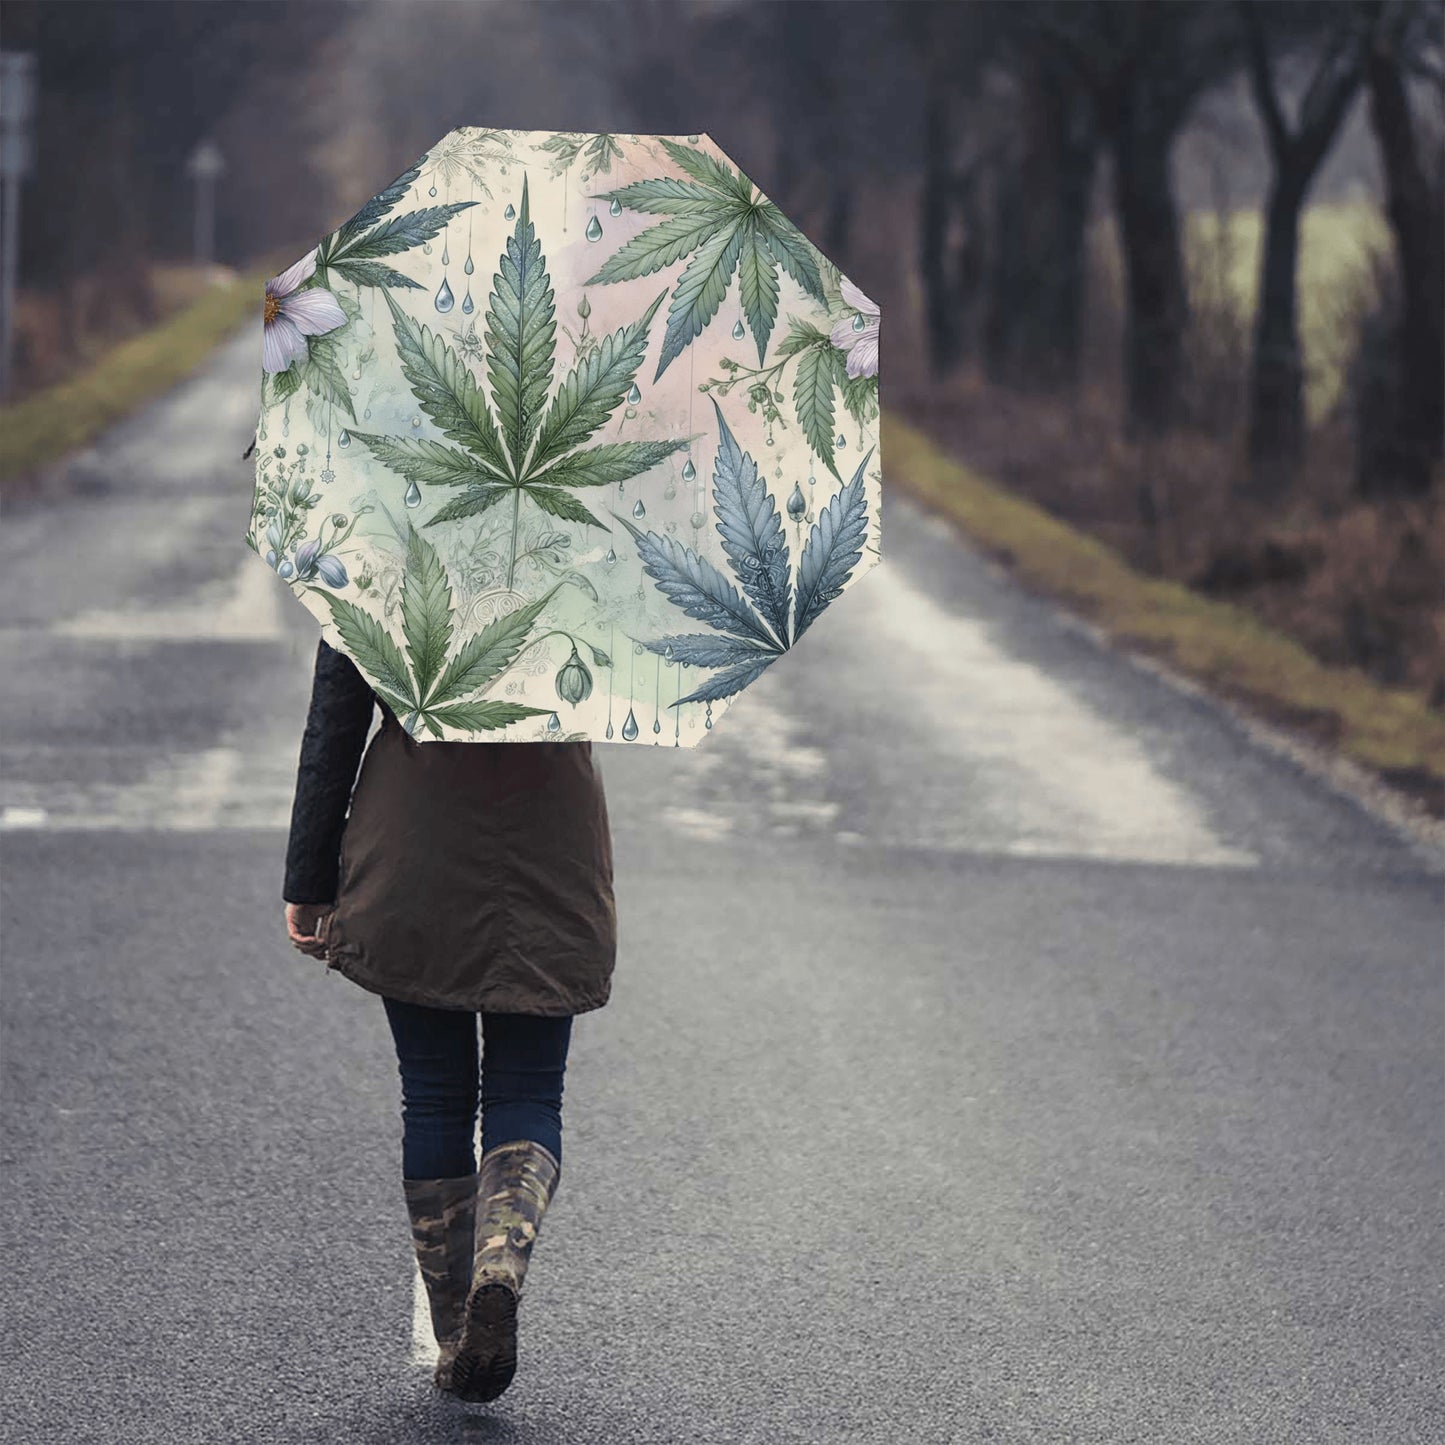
(468, 268)
(511, 212)
(797, 503)
(416, 421)
(639, 510)
(553, 723)
(656, 726)
(858, 322)
(615, 209)
(594, 229)
(444, 298)
(668, 652)
(629, 728)
(468, 305)
(841, 442)
(609, 727)
(426, 248)
(446, 254)
(689, 472)
(343, 438)
(611, 557)
(366, 415)
(413, 495)
(634, 396)
(739, 330)
(432, 192)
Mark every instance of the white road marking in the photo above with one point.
(245, 608)
(423, 1341)
(1068, 782)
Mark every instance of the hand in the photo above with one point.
(304, 925)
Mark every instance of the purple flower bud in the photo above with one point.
(331, 570)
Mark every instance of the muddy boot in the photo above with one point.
(443, 1231)
(517, 1182)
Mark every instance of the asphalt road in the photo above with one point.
(1009, 1049)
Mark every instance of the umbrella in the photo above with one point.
(567, 436)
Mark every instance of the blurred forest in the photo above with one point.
(1173, 268)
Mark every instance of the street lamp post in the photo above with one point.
(204, 167)
(17, 157)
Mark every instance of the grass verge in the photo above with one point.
(45, 427)
(1391, 732)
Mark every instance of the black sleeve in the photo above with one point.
(331, 747)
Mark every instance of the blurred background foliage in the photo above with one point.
(1170, 268)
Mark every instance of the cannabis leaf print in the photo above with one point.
(354, 250)
(519, 446)
(714, 218)
(766, 610)
(423, 686)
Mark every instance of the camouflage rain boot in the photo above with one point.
(517, 1182)
(443, 1231)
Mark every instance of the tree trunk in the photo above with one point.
(1032, 331)
(1276, 402)
(1156, 296)
(942, 324)
(1415, 213)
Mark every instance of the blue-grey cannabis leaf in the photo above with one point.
(756, 623)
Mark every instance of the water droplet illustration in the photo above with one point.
(511, 212)
(444, 299)
(689, 472)
(426, 248)
(841, 442)
(343, 438)
(615, 209)
(413, 495)
(708, 723)
(739, 330)
(356, 374)
(611, 558)
(637, 648)
(366, 415)
(630, 412)
(629, 728)
(416, 421)
(634, 396)
(609, 727)
(468, 305)
(639, 510)
(797, 503)
(468, 268)
(858, 322)
(669, 651)
(553, 723)
(594, 229)
(446, 254)
(432, 192)
(656, 726)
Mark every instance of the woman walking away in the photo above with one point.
(468, 879)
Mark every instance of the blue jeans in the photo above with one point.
(518, 1083)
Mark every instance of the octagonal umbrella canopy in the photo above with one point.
(567, 436)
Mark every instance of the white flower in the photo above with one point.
(860, 342)
(290, 316)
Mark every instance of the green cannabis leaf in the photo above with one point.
(514, 448)
(354, 250)
(714, 218)
(424, 686)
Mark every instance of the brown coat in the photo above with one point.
(477, 876)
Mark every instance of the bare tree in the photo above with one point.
(1276, 401)
(1408, 33)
